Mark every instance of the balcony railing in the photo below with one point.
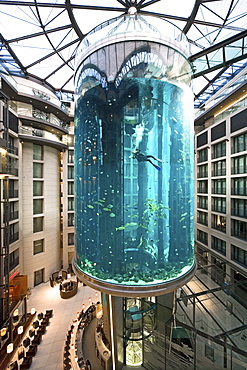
(13, 237)
(41, 94)
(219, 227)
(41, 133)
(12, 171)
(239, 234)
(239, 213)
(221, 209)
(12, 264)
(12, 149)
(44, 116)
(12, 194)
(12, 216)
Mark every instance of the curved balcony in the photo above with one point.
(43, 137)
(41, 98)
(38, 119)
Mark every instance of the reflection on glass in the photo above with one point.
(134, 167)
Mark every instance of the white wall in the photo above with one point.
(50, 259)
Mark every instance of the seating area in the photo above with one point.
(68, 289)
(58, 277)
(29, 346)
(73, 356)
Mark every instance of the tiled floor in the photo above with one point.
(50, 351)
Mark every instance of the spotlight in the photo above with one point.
(32, 311)
(20, 330)
(10, 347)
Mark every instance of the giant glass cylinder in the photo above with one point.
(134, 158)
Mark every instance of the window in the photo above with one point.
(239, 186)
(38, 246)
(218, 245)
(219, 168)
(37, 152)
(71, 219)
(71, 239)
(219, 204)
(202, 218)
(39, 277)
(70, 172)
(202, 155)
(37, 188)
(202, 237)
(219, 150)
(219, 223)
(13, 211)
(13, 232)
(240, 143)
(37, 206)
(202, 186)
(239, 165)
(239, 207)
(202, 202)
(239, 255)
(239, 229)
(203, 171)
(14, 259)
(70, 188)
(70, 156)
(71, 204)
(219, 186)
(37, 170)
(37, 224)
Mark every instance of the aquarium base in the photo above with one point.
(121, 290)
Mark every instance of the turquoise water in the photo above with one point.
(134, 182)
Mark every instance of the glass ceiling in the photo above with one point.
(39, 38)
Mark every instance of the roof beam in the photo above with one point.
(39, 34)
(204, 54)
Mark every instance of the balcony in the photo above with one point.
(13, 237)
(239, 234)
(13, 263)
(34, 134)
(13, 193)
(12, 171)
(42, 119)
(12, 216)
(12, 149)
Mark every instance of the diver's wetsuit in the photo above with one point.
(145, 158)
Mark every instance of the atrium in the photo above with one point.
(138, 248)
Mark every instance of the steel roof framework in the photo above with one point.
(215, 63)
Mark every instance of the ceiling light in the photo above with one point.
(132, 10)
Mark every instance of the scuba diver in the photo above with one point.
(146, 158)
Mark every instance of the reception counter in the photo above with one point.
(68, 289)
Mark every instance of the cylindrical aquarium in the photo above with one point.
(134, 158)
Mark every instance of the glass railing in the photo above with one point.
(14, 263)
(13, 237)
(30, 131)
(41, 94)
(29, 111)
(12, 149)
(11, 216)
(13, 193)
(12, 171)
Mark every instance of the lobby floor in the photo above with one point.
(49, 355)
(212, 316)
